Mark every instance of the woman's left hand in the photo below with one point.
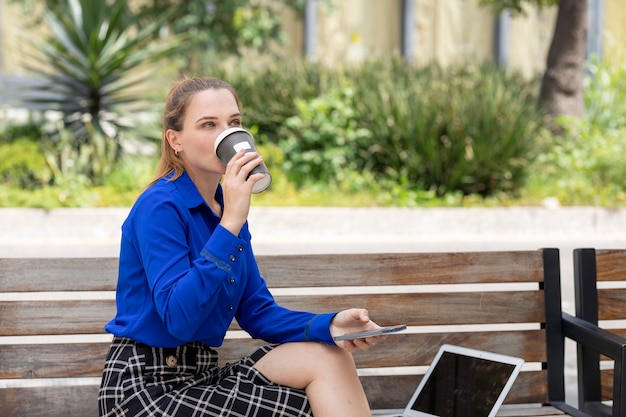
(351, 321)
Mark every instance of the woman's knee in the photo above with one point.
(334, 357)
(298, 364)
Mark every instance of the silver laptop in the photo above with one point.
(463, 382)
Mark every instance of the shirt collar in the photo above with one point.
(191, 195)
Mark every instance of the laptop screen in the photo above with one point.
(463, 386)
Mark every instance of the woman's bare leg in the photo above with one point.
(326, 373)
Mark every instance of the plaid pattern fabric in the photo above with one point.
(142, 381)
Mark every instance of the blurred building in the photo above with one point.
(443, 31)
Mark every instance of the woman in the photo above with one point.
(187, 269)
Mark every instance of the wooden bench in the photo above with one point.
(600, 294)
(52, 312)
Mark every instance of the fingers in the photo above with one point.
(243, 163)
(237, 190)
(360, 314)
(361, 344)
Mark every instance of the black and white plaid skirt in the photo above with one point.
(186, 381)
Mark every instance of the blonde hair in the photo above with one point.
(174, 114)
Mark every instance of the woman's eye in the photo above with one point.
(236, 123)
(209, 124)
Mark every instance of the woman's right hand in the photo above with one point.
(237, 189)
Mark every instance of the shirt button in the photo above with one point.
(232, 258)
(171, 361)
(239, 248)
(230, 308)
(232, 280)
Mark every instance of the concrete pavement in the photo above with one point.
(96, 232)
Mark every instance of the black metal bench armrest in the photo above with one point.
(594, 337)
(606, 343)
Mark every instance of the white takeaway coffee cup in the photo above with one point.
(231, 141)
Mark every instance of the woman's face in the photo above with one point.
(210, 112)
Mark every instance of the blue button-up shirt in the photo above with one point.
(183, 277)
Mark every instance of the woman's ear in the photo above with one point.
(172, 138)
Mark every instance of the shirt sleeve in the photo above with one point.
(263, 318)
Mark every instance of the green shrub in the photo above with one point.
(324, 142)
(22, 163)
(31, 129)
(605, 95)
(470, 128)
(586, 166)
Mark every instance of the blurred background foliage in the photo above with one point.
(381, 133)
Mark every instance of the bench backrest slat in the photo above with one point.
(610, 264)
(57, 274)
(400, 269)
(49, 401)
(52, 360)
(431, 309)
(21, 318)
(611, 302)
(54, 317)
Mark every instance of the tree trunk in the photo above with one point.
(562, 85)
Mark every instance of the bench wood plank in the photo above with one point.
(88, 316)
(57, 274)
(400, 269)
(59, 360)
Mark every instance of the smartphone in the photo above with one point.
(377, 332)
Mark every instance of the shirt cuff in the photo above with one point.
(318, 329)
(223, 248)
